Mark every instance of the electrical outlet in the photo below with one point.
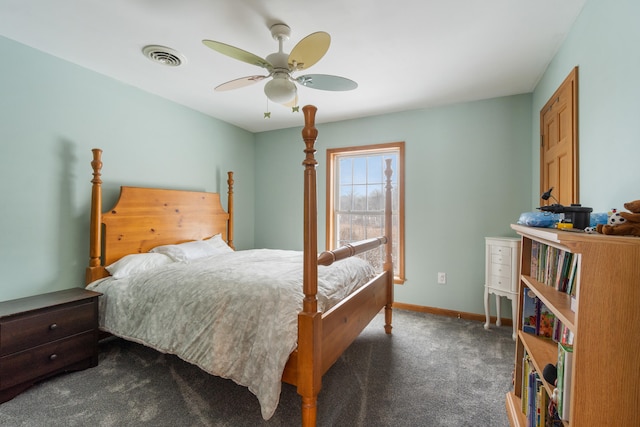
(442, 278)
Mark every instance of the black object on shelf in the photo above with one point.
(578, 215)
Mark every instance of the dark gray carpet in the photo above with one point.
(433, 371)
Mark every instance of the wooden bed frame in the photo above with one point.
(147, 217)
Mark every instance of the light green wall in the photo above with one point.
(603, 43)
(471, 168)
(51, 114)
(468, 174)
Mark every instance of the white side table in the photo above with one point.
(502, 273)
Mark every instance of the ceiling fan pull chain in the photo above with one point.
(267, 114)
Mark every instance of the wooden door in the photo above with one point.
(559, 142)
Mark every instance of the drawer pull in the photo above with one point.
(53, 356)
(53, 326)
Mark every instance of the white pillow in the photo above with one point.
(219, 244)
(136, 263)
(185, 252)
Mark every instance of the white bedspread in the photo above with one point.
(233, 315)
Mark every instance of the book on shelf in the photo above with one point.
(535, 247)
(542, 262)
(530, 310)
(562, 333)
(542, 406)
(573, 303)
(571, 276)
(567, 336)
(546, 322)
(564, 369)
(537, 319)
(554, 267)
(535, 401)
(562, 274)
(532, 410)
(530, 382)
(526, 370)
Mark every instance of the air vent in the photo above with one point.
(163, 55)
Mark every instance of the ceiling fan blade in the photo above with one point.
(239, 54)
(326, 82)
(238, 83)
(309, 50)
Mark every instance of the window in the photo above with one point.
(355, 199)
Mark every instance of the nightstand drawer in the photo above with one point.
(498, 282)
(501, 258)
(30, 330)
(501, 270)
(501, 250)
(44, 359)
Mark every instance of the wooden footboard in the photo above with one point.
(342, 324)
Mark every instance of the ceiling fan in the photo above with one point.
(282, 88)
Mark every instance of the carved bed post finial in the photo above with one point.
(95, 235)
(230, 210)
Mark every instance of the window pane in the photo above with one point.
(359, 198)
(343, 225)
(375, 226)
(375, 198)
(375, 169)
(357, 227)
(359, 170)
(346, 198)
(344, 171)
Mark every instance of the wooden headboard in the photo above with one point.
(144, 218)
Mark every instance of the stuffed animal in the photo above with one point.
(623, 223)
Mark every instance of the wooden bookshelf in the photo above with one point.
(605, 374)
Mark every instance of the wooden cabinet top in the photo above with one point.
(37, 302)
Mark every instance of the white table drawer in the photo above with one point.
(501, 250)
(500, 259)
(501, 270)
(498, 282)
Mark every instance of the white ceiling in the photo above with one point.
(404, 55)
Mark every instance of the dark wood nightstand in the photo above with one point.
(44, 335)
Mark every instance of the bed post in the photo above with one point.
(388, 261)
(95, 235)
(230, 210)
(309, 319)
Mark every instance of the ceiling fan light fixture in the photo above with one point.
(280, 90)
(282, 86)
